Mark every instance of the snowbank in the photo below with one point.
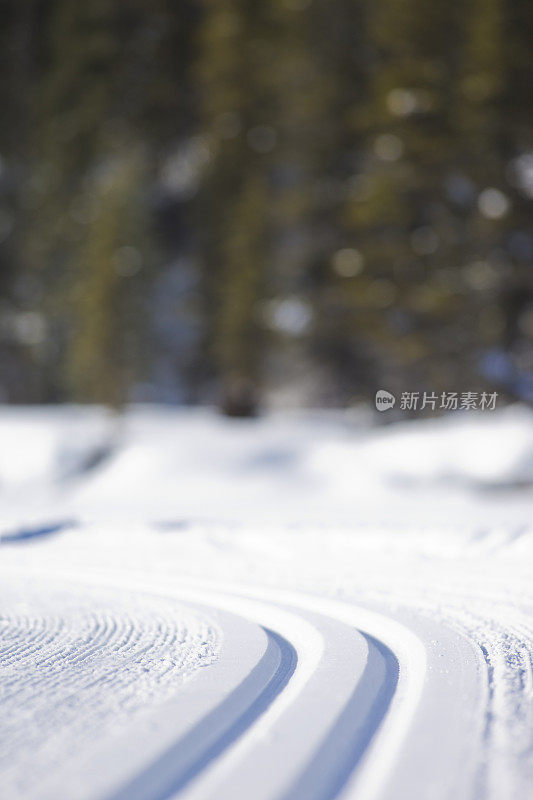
(169, 464)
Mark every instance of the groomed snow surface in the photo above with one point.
(300, 607)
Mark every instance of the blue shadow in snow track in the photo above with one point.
(21, 535)
(159, 783)
(340, 753)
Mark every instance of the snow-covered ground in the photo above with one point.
(297, 607)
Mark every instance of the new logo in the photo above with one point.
(384, 400)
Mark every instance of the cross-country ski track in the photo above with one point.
(287, 609)
(310, 698)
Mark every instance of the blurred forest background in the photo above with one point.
(296, 201)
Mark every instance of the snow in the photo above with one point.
(162, 464)
(187, 600)
(65, 649)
